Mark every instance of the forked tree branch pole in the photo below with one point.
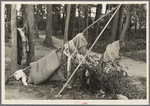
(88, 51)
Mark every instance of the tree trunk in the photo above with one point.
(135, 24)
(42, 21)
(91, 29)
(71, 22)
(126, 26)
(63, 19)
(41, 18)
(129, 14)
(38, 16)
(63, 23)
(67, 23)
(9, 12)
(36, 22)
(24, 13)
(36, 29)
(55, 20)
(107, 6)
(30, 18)
(78, 28)
(7, 25)
(115, 27)
(6, 33)
(14, 38)
(140, 15)
(120, 22)
(97, 25)
(86, 21)
(9, 18)
(49, 32)
(73, 26)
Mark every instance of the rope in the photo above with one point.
(99, 19)
(87, 52)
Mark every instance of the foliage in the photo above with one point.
(114, 78)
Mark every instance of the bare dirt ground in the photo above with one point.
(16, 91)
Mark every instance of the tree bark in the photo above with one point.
(36, 22)
(49, 32)
(78, 28)
(86, 20)
(135, 24)
(14, 38)
(30, 18)
(24, 13)
(9, 18)
(115, 27)
(91, 29)
(6, 33)
(140, 15)
(9, 12)
(96, 26)
(67, 23)
(63, 19)
(41, 17)
(7, 25)
(55, 20)
(120, 22)
(71, 22)
(126, 26)
(107, 6)
(129, 14)
(36, 29)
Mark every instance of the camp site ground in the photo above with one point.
(51, 35)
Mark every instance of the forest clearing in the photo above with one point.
(48, 89)
(101, 52)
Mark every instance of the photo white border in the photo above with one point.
(73, 102)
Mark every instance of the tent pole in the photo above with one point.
(87, 52)
(99, 19)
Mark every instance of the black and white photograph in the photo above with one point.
(73, 52)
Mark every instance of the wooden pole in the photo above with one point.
(99, 19)
(87, 52)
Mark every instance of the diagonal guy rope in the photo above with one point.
(88, 52)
